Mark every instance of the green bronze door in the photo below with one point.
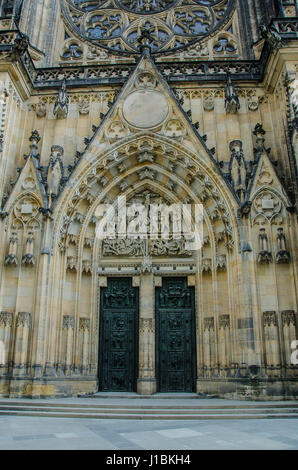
(175, 336)
(118, 352)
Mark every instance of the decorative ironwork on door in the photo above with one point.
(119, 336)
(175, 336)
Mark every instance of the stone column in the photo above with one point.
(146, 382)
(84, 327)
(68, 333)
(248, 336)
(271, 338)
(209, 345)
(224, 342)
(43, 344)
(6, 320)
(21, 343)
(288, 319)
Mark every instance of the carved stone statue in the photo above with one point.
(238, 169)
(55, 170)
(264, 255)
(11, 258)
(19, 48)
(28, 257)
(271, 35)
(61, 104)
(34, 151)
(221, 262)
(232, 103)
(41, 110)
(282, 255)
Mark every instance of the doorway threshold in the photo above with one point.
(173, 395)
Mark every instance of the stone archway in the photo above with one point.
(145, 165)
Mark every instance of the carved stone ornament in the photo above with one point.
(264, 256)
(288, 317)
(271, 35)
(123, 247)
(270, 318)
(209, 323)
(86, 266)
(6, 319)
(145, 156)
(237, 169)
(34, 151)
(267, 203)
(24, 319)
(282, 255)
(224, 321)
(61, 103)
(84, 324)
(84, 107)
(145, 80)
(26, 209)
(206, 265)
(55, 171)
(68, 322)
(71, 263)
(146, 174)
(146, 266)
(29, 258)
(20, 46)
(171, 247)
(145, 109)
(146, 325)
(232, 103)
(174, 128)
(221, 262)
(11, 257)
(208, 104)
(41, 110)
(253, 105)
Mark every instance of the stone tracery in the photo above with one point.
(172, 24)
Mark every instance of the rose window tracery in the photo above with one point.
(172, 24)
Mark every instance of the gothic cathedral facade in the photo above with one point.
(164, 102)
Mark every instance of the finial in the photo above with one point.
(145, 41)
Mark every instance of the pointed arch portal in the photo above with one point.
(163, 160)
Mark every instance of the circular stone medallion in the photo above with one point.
(145, 109)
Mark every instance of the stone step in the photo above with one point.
(245, 406)
(134, 395)
(229, 416)
(152, 410)
(124, 411)
(167, 411)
